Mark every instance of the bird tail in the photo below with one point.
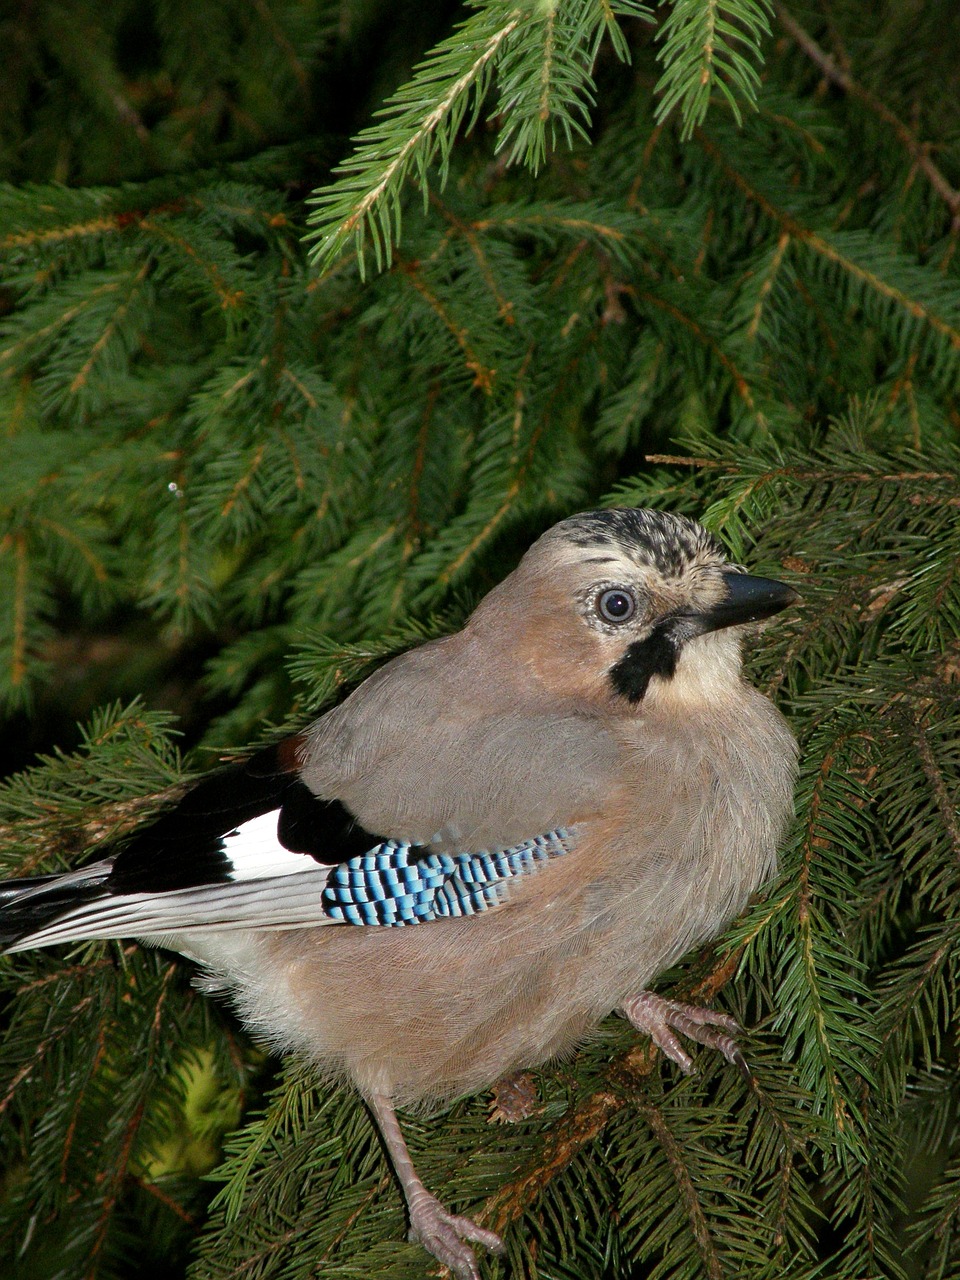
(211, 861)
(80, 907)
(30, 906)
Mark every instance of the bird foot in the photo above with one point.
(655, 1016)
(443, 1234)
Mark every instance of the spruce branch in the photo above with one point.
(624, 1086)
(918, 151)
(686, 1186)
(874, 275)
(419, 122)
(542, 55)
(482, 374)
(710, 45)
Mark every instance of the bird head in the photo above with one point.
(628, 605)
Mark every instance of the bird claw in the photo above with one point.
(442, 1234)
(655, 1016)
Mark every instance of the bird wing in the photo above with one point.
(450, 746)
(420, 797)
(251, 846)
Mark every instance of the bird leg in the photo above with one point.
(431, 1225)
(656, 1016)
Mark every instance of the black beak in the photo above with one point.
(748, 599)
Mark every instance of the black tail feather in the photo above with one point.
(26, 905)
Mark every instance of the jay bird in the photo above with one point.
(498, 839)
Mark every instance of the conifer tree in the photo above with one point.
(313, 315)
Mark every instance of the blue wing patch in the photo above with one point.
(395, 883)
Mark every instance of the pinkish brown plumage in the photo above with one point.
(569, 793)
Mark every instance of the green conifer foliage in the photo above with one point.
(312, 315)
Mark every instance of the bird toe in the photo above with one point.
(659, 1018)
(443, 1234)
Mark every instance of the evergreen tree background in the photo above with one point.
(575, 252)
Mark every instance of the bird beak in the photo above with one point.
(748, 599)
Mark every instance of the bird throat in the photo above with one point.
(657, 655)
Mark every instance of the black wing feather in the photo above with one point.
(184, 847)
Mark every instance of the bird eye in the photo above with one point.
(616, 605)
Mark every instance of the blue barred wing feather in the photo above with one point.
(398, 883)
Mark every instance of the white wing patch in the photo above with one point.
(256, 853)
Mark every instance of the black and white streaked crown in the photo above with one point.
(663, 540)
